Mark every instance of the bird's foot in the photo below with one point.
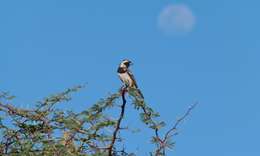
(123, 89)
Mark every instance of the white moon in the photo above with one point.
(176, 19)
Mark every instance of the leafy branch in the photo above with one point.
(46, 131)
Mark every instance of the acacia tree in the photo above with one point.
(46, 130)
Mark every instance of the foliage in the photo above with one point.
(48, 131)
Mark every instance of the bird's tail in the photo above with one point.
(136, 92)
(140, 93)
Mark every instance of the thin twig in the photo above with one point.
(162, 142)
(175, 126)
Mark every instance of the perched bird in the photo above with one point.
(126, 75)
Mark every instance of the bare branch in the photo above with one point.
(162, 142)
(114, 137)
(178, 122)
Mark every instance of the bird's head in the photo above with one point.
(126, 63)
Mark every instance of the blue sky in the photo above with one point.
(47, 46)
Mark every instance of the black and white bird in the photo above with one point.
(126, 75)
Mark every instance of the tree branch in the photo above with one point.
(114, 137)
(163, 142)
(175, 126)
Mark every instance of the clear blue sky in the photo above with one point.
(47, 46)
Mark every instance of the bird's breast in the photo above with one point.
(125, 78)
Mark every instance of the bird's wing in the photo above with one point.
(133, 78)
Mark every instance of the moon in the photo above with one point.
(176, 19)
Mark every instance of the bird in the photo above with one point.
(127, 77)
